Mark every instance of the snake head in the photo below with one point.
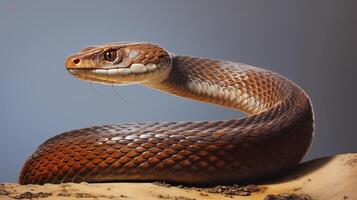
(120, 63)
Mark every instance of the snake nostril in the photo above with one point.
(76, 61)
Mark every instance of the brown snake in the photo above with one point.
(272, 139)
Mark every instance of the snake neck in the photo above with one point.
(235, 85)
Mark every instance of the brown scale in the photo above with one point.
(266, 143)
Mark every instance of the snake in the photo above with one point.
(271, 139)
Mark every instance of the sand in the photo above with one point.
(326, 178)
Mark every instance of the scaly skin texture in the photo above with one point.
(272, 139)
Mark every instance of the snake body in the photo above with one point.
(273, 138)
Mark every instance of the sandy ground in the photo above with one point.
(326, 178)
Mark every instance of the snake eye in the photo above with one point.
(110, 55)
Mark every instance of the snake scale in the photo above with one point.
(273, 137)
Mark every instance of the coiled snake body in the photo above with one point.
(273, 138)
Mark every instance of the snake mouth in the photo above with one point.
(135, 73)
(132, 69)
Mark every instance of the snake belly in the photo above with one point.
(272, 139)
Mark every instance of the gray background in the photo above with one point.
(311, 42)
